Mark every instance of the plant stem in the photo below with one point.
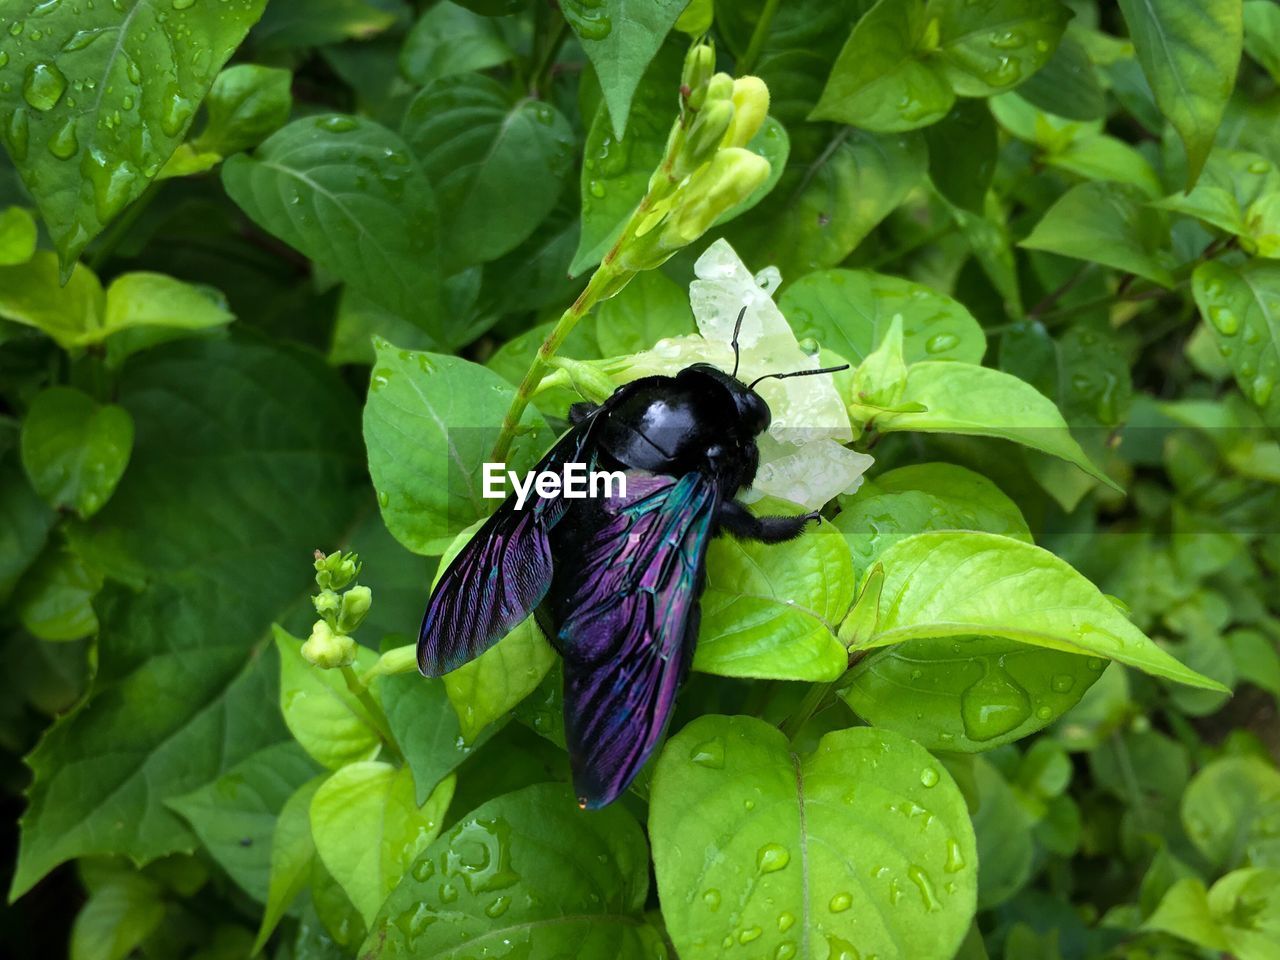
(540, 78)
(115, 233)
(376, 716)
(758, 36)
(814, 699)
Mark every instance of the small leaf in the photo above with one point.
(319, 710)
(884, 79)
(621, 37)
(117, 917)
(144, 69)
(473, 143)
(1229, 811)
(1106, 223)
(235, 815)
(449, 39)
(988, 48)
(963, 398)
(1068, 85)
(430, 423)
(292, 851)
(1241, 307)
(55, 597)
(530, 869)
(490, 686)
(32, 294)
(146, 309)
(75, 451)
(426, 728)
(347, 193)
(1189, 51)
(246, 104)
(368, 828)
(1003, 828)
(1009, 589)
(772, 610)
(17, 236)
(848, 312)
(795, 854)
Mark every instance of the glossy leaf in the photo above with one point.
(291, 855)
(75, 450)
(621, 37)
(991, 46)
(1240, 307)
(530, 869)
(848, 312)
(473, 143)
(368, 828)
(772, 610)
(962, 154)
(235, 816)
(1229, 811)
(449, 39)
(426, 727)
(962, 398)
(1106, 223)
(146, 309)
(246, 104)
(347, 193)
(430, 423)
(96, 98)
(32, 294)
(862, 847)
(1013, 590)
(1189, 51)
(1068, 84)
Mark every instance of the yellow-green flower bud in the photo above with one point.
(704, 137)
(355, 604)
(720, 87)
(727, 180)
(750, 107)
(327, 603)
(335, 571)
(699, 65)
(328, 650)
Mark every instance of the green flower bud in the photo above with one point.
(335, 571)
(699, 65)
(328, 650)
(750, 107)
(326, 603)
(355, 604)
(720, 87)
(704, 137)
(727, 180)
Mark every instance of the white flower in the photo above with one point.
(802, 457)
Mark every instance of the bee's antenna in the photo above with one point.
(737, 327)
(797, 373)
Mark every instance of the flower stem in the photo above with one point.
(372, 708)
(758, 36)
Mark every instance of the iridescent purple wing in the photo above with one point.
(627, 623)
(502, 573)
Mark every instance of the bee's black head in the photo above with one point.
(753, 412)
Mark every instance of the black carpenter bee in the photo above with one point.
(616, 580)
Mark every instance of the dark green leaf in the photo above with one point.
(993, 45)
(74, 450)
(962, 154)
(450, 39)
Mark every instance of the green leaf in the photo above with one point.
(368, 828)
(32, 294)
(430, 423)
(921, 497)
(489, 687)
(1229, 811)
(621, 37)
(239, 429)
(118, 916)
(863, 847)
(848, 312)
(96, 99)
(1242, 308)
(55, 597)
(1232, 182)
(449, 39)
(1106, 223)
(1013, 590)
(25, 521)
(967, 694)
(473, 143)
(820, 211)
(235, 815)
(426, 728)
(1246, 904)
(962, 398)
(292, 852)
(1189, 51)
(74, 450)
(883, 79)
(146, 309)
(962, 154)
(771, 610)
(293, 24)
(1003, 828)
(246, 104)
(526, 872)
(650, 308)
(1262, 34)
(1068, 84)
(988, 48)
(347, 193)
(17, 236)
(321, 713)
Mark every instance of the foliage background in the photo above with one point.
(1074, 210)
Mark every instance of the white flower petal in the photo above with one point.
(811, 474)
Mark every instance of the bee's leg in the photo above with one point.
(580, 411)
(736, 519)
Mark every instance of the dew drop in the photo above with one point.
(1044, 713)
(177, 111)
(183, 4)
(772, 857)
(423, 870)
(927, 895)
(785, 951)
(1259, 166)
(839, 949)
(840, 903)
(712, 899)
(16, 132)
(498, 907)
(941, 342)
(1062, 683)
(1262, 387)
(64, 144)
(709, 753)
(43, 86)
(929, 777)
(993, 705)
(955, 858)
(786, 921)
(749, 934)
(1226, 322)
